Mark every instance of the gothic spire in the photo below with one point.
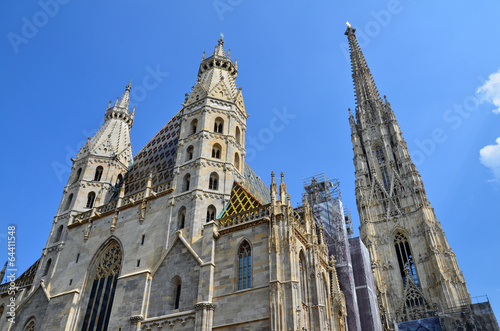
(219, 49)
(124, 101)
(367, 97)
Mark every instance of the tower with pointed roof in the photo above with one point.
(415, 270)
(185, 237)
(211, 147)
(99, 165)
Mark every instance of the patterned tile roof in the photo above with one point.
(157, 157)
(256, 186)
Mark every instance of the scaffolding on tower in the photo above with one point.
(325, 198)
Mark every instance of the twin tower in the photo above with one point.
(186, 236)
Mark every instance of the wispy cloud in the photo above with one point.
(490, 157)
(490, 91)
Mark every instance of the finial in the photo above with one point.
(349, 29)
(129, 86)
(203, 57)
(109, 104)
(116, 102)
(272, 174)
(282, 175)
(350, 114)
(229, 53)
(221, 38)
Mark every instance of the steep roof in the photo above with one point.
(157, 157)
(256, 186)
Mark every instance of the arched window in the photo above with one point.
(194, 125)
(238, 135)
(119, 179)
(189, 153)
(58, 233)
(182, 217)
(219, 125)
(187, 180)
(68, 202)
(90, 200)
(78, 174)
(244, 266)
(102, 286)
(47, 268)
(216, 151)
(30, 326)
(213, 181)
(2, 308)
(98, 173)
(405, 257)
(303, 278)
(176, 286)
(211, 212)
(237, 161)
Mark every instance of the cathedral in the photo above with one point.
(186, 236)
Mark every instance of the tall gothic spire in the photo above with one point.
(394, 209)
(369, 103)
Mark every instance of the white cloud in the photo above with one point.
(490, 91)
(490, 157)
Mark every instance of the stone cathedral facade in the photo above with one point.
(415, 270)
(183, 236)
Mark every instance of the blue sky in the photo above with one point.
(63, 62)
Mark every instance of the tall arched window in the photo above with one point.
(189, 153)
(102, 286)
(47, 268)
(244, 266)
(405, 257)
(98, 173)
(219, 125)
(211, 212)
(176, 287)
(182, 217)
(187, 181)
(194, 126)
(2, 308)
(68, 202)
(216, 151)
(58, 233)
(238, 135)
(383, 168)
(237, 161)
(30, 326)
(78, 174)
(213, 181)
(90, 200)
(303, 278)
